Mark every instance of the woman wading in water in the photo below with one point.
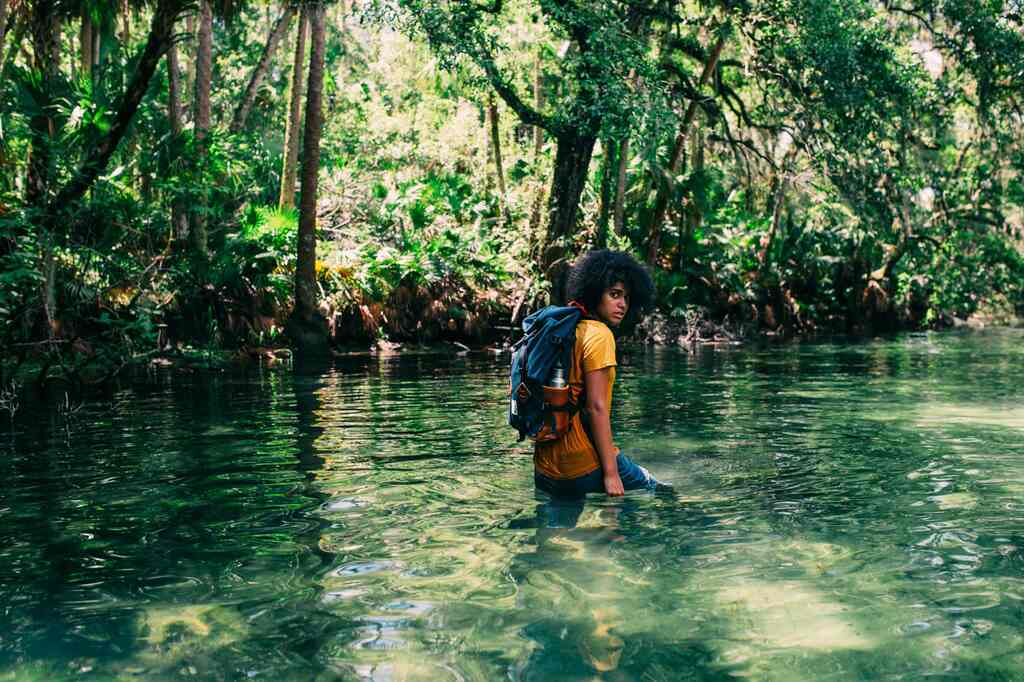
(613, 289)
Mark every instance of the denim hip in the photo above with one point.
(634, 477)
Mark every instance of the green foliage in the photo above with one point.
(593, 91)
(19, 278)
(849, 165)
(262, 254)
(429, 260)
(416, 204)
(966, 271)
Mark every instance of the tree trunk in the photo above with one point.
(609, 169)
(620, 187)
(538, 147)
(56, 29)
(538, 104)
(260, 72)
(179, 209)
(487, 148)
(97, 36)
(291, 132)
(622, 158)
(45, 38)
(85, 44)
(204, 74)
(572, 161)
(174, 91)
(7, 23)
(189, 68)
(778, 202)
(308, 328)
(688, 217)
(126, 24)
(692, 216)
(19, 28)
(668, 185)
(499, 169)
(882, 276)
(45, 41)
(3, 28)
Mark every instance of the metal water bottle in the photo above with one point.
(556, 399)
(557, 375)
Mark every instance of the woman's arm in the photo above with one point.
(599, 416)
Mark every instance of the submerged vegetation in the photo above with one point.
(231, 174)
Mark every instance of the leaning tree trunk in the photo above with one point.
(307, 326)
(159, 40)
(260, 72)
(179, 209)
(204, 74)
(95, 163)
(286, 199)
(666, 188)
(572, 161)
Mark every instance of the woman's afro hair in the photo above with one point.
(597, 270)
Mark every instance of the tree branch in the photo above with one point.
(736, 105)
(508, 93)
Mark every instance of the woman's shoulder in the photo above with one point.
(589, 325)
(594, 331)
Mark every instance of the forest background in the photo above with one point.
(242, 175)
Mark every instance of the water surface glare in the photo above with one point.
(846, 511)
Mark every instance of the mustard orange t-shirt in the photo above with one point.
(573, 454)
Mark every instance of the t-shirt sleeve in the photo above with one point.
(598, 348)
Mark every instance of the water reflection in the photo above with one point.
(845, 511)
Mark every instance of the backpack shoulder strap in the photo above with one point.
(584, 313)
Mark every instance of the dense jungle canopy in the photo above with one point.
(236, 173)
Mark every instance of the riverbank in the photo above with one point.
(77, 365)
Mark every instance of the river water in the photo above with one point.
(845, 511)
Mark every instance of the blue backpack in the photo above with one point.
(550, 335)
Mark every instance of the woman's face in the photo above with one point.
(614, 305)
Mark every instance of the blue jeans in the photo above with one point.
(634, 477)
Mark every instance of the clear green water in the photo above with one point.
(846, 512)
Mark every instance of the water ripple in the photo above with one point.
(844, 511)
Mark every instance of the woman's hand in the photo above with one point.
(613, 485)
